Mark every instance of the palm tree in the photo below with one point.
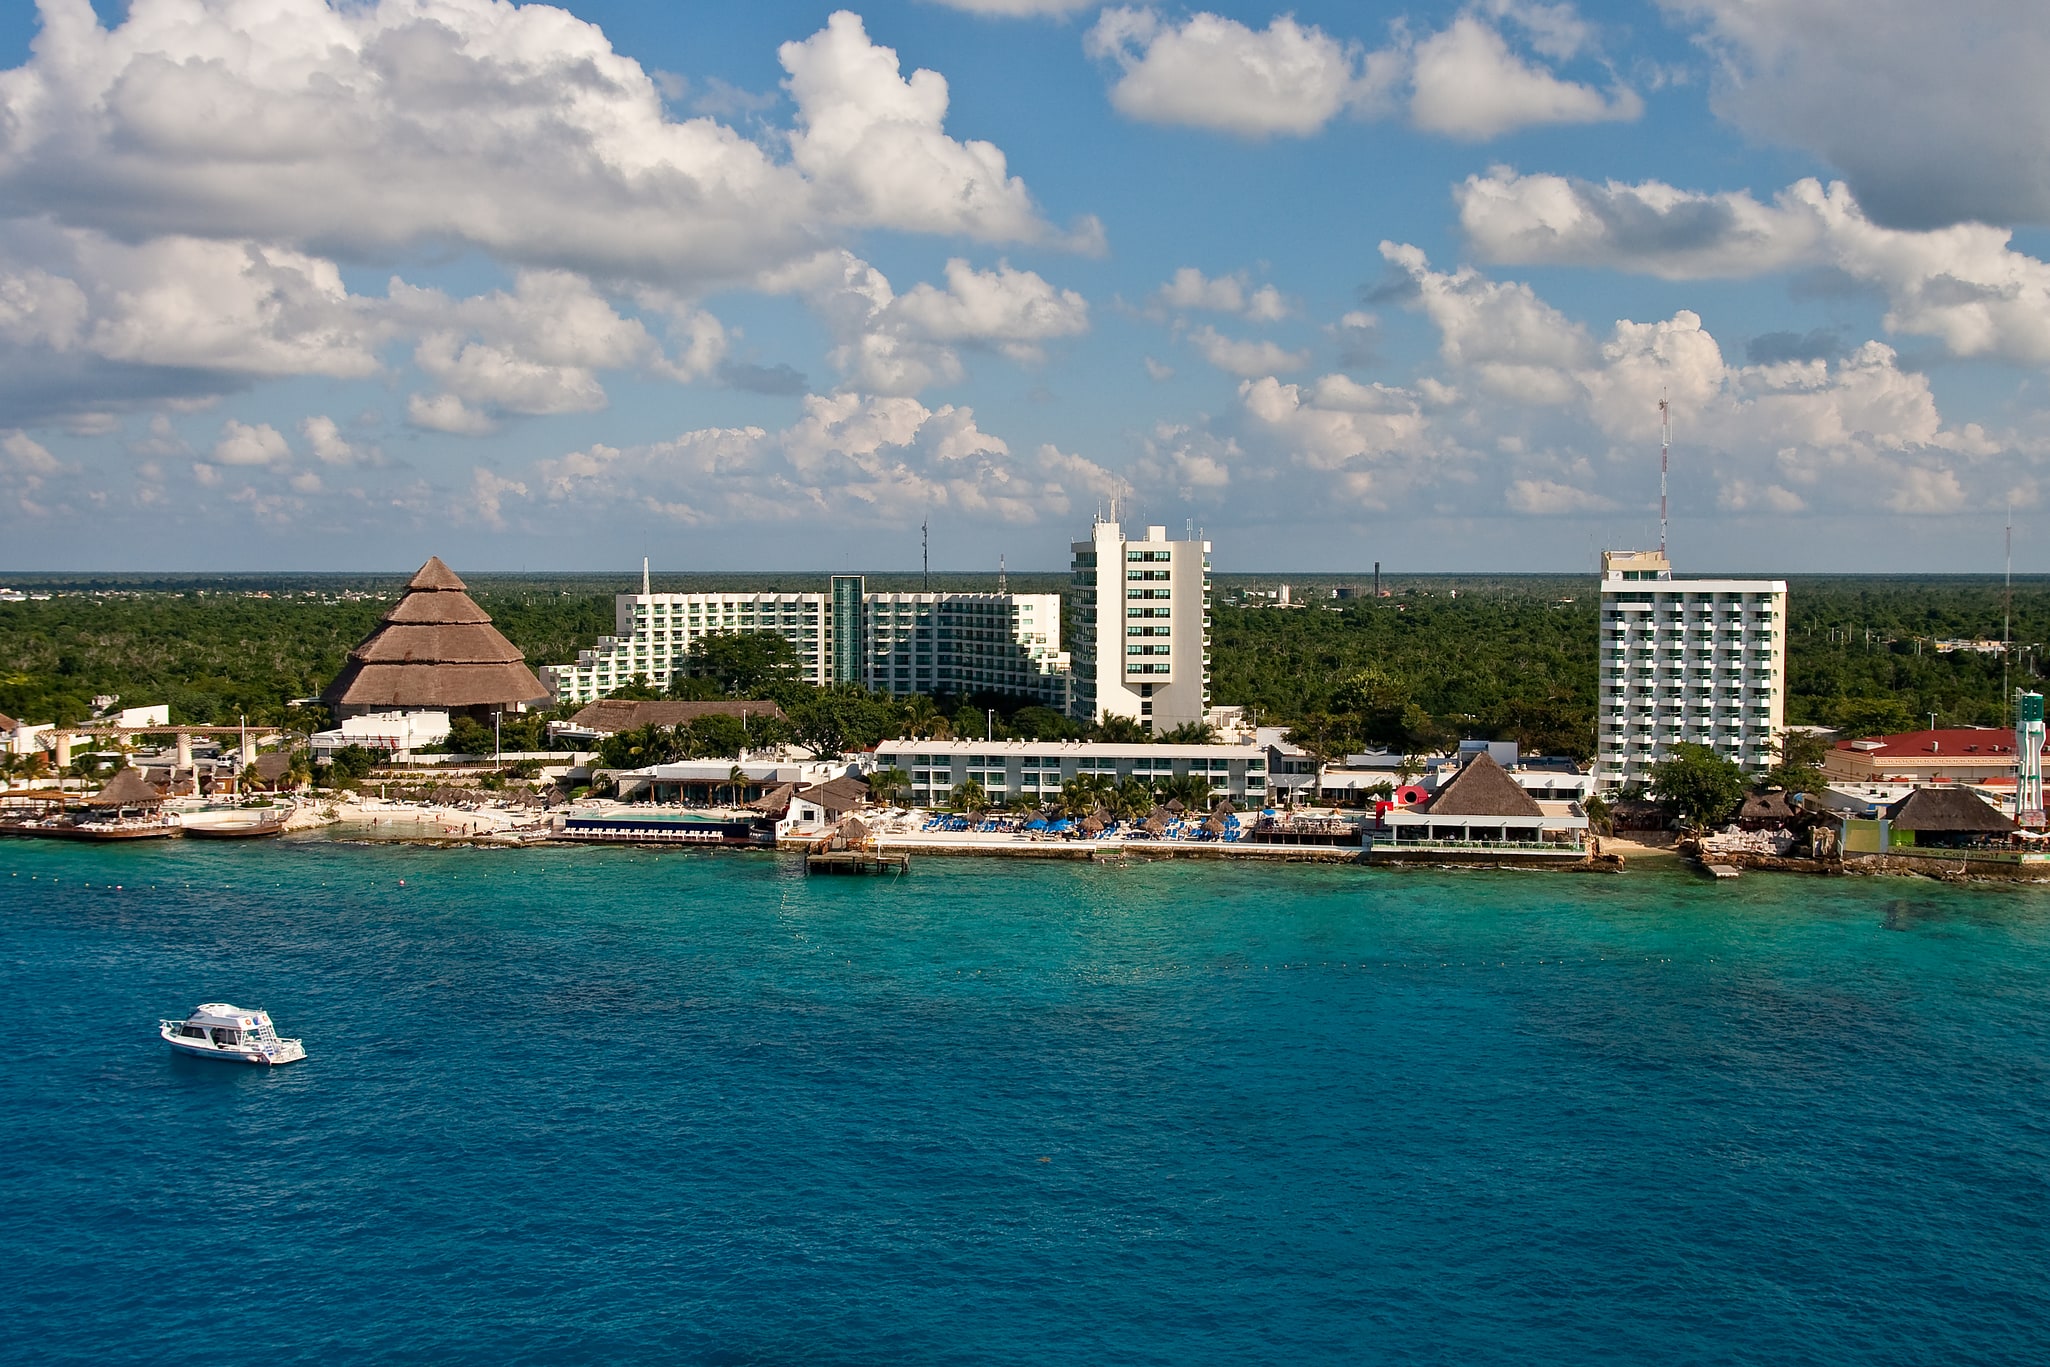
(885, 784)
(968, 797)
(736, 780)
(1081, 794)
(922, 720)
(1133, 799)
(1191, 790)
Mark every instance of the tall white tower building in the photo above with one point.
(1694, 660)
(1141, 628)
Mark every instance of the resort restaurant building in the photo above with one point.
(1483, 805)
(1012, 769)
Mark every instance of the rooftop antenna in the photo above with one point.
(2007, 604)
(1665, 450)
(1002, 582)
(925, 549)
(644, 576)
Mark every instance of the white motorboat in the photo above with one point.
(218, 1030)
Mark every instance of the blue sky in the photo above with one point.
(292, 285)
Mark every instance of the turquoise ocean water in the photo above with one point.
(606, 1106)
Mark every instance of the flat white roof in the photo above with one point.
(1614, 586)
(1078, 748)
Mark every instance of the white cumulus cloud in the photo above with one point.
(1245, 357)
(1290, 79)
(1213, 72)
(1962, 284)
(891, 344)
(1189, 290)
(1469, 84)
(251, 444)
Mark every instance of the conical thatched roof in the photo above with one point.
(1947, 809)
(126, 789)
(1483, 788)
(434, 649)
(1762, 807)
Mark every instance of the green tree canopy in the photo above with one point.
(1705, 787)
(749, 664)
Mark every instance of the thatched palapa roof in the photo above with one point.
(1767, 808)
(1483, 788)
(126, 789)
(434, 649)
(775, 800)
(611, 715)
(838, 795)
(1948, 810)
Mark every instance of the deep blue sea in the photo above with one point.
(604, 1106)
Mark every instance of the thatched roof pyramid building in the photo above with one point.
(435, 650)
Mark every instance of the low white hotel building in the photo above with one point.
(897, 643)
(1011, 769)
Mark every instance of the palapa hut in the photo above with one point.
(1946, 818)
(1766, 811)
(126, 790)
(434, 651)
(837, 797)
(775, 802)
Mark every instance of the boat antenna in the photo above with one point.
(1665, 450)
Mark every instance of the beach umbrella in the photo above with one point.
(1174, 806)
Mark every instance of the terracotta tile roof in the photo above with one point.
(1952, 741)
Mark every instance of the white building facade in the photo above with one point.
(1013, 769)
(1701, 661)
(897, 643)
(1141, 628)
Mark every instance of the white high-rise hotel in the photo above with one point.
(1140, 633)
(1694, 660)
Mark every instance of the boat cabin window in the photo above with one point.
(226, 1036)
(192, 1032)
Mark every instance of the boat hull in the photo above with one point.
(248, 830)
(287, 1050)
(108, 832)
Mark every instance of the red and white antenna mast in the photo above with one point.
(1665, 451)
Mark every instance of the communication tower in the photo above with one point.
(1665, 450)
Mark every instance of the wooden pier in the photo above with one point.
(856, 861)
